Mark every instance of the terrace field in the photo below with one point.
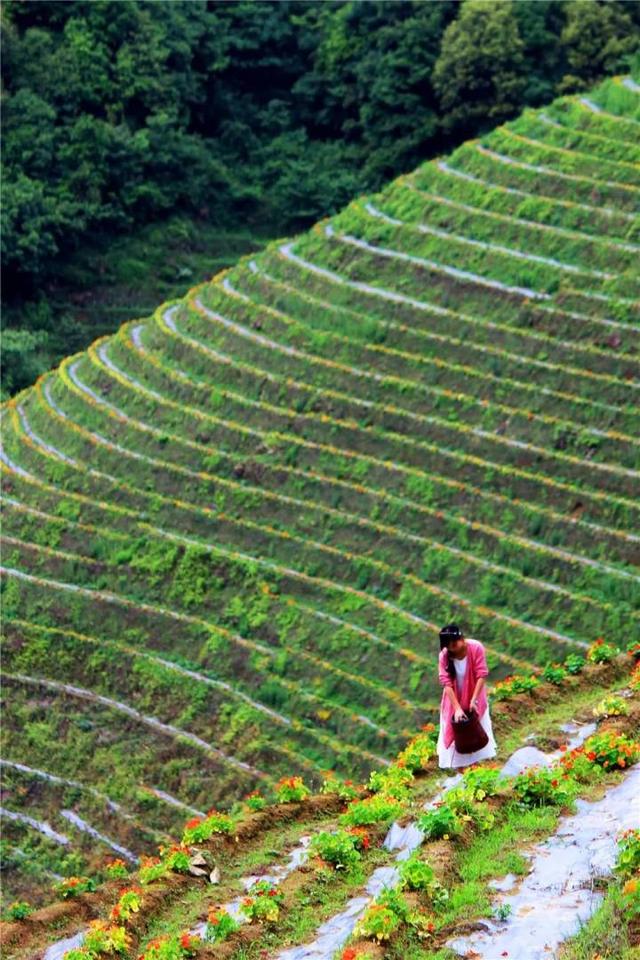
(233, 529)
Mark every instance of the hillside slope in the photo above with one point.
(233, 529)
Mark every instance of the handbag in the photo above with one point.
(469, 735)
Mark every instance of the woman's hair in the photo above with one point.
(451, 632)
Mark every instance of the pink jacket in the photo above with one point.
(476, 667)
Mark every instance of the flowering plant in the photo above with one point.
(483, 781)
(419, 751)
(375, 809)
(634, 649)
(628, 860)
(339, 848)
(151, 868)
(611, 707)
(291, 789)
(18, 910)
(128, 903)
(611, 749)
(197, 830)
(116, 869)
(544, 786)
(580, 765)
(417, 874)
(345, 789)
(630, 899)
(378, 921)
(220, 925)
(74, 886)
(255, 800)
(440, 823)
(100, 938)
(263, 902)
(601, 652)
(634, 682)
(515, 684)
(171, 947)
(392, 782)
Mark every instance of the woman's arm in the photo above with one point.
(449, 689)
(458, 712)
(480, 682)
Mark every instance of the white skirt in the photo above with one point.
(448, 757)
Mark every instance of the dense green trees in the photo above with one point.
(268, 114)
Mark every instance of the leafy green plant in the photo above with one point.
(74, 886)
(197, 830)
(513, 685)
(440, 823)
(392, 782)
(601, 652)
(375, 809)
(332, 784)
(171, 947)
(417, 874)
(263, 902)
(611, 707)
(116, 869)
(611, 749)
(555, 673)
(220, 925)
(544, 786)
(255, 801)
(628, 859)
(483, 781)
(339, 849)
(18, 910)
(574, 664)
(291, 790)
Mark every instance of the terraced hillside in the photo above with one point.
(233, 529)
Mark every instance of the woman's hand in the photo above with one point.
(459, 714)
(472, 706)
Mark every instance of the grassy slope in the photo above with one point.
(245, 517)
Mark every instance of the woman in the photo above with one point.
(462, 668)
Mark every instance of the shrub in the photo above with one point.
(601, 652)
(339, 849)
(18, 910)
(262, 903)
(543, 786)
(611, 707)
(197, 830)
(574, 664)
(555, 673)
(378, 921)
(375, 809)
(74, 886)
(291, 790)
(417, 874)
(610, 749)
(440, 823)
(220, 925)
